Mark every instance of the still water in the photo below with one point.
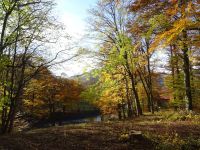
(84, 120)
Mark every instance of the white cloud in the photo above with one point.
(74, 26)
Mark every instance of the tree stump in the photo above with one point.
(136, 136)
(139, 141)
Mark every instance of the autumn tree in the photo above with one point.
(48, 96)
(24, 29)
(181, 22)
(108, 20)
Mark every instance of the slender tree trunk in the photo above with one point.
(130, 74)
(9, 118)
(3, 119)
(138, 106)
(15, 101)
(12, 118)
(146, 91)
(186, 68)
(3, 32)
(172, 69)
(124, 111)
(151, 98)
(51, 112)
(119, 111)
(129, 102)
(177, 75)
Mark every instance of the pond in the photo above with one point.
(69, 119)
(83, 120)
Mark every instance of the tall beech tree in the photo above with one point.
(109, 20)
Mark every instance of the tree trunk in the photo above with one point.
(138, 106)
(124, 111)
(129, 102)
(3, 119)
(151, 99)
(186, 68)
(130, 74)
(119, 112)
(144, 83)
(12, 118)
(172, 69)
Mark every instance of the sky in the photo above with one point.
(73, 14)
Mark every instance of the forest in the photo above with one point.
(143, 92)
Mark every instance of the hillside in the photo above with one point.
(85, 79)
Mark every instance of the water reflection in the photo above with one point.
(93, 119)
(84, 120)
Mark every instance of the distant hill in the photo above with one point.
(85, 78)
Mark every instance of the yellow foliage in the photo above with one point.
(168, 37)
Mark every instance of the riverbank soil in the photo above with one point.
(144, 133)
